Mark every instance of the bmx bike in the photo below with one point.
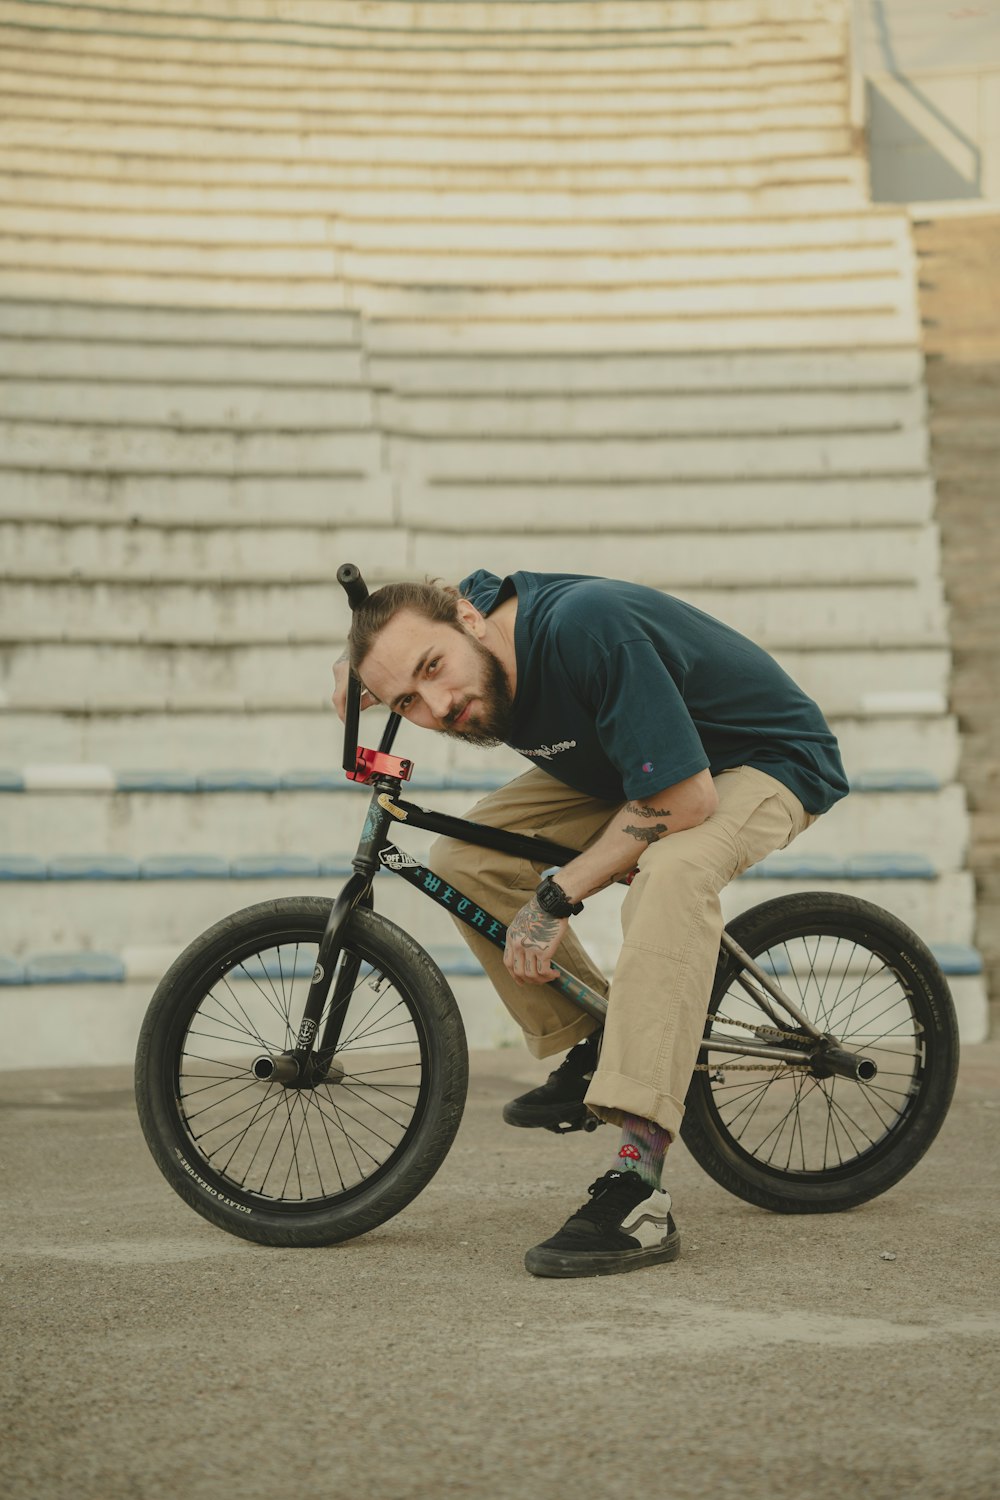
(302, 1067)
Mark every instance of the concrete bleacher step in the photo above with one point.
(834, 372)
(636, 268)
(300, 187)
(263, 249)
(76, 211)
(240, 612)
(121, 403)
(116, 678)
(242, 554)
(111, 914)
(161, 322)
(779, 502)
(590, 145)
(105, 448)
(754, 122)
(439, 59)
(890, 450)
(346, 495)
(603, 241)
(93, 447)
(47, 825)
(400, 23)
(731, 84)
(776, 297)
(151, 364)
(879, 326)
(584, 415)
(312, 740)
(341, 494)
(136, 555)
(345, 159)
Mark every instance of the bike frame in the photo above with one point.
(385, 773)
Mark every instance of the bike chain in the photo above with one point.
(752, 1067)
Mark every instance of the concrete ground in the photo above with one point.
(146, 1354)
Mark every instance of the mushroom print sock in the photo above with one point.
(642, 1149)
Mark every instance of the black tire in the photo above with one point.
(288, 1165)
(796, 1143)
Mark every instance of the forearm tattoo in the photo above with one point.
(534, 928)
(637, 809)
(647, 835)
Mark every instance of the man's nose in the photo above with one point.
(439, 699)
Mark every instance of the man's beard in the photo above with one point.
(490, 725)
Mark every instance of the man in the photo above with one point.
(660, 739)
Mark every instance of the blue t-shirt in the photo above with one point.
(623, 691)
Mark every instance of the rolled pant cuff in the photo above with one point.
(562, 1040)
(612, 1095)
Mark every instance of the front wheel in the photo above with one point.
(299, 1164)
(785, 1137)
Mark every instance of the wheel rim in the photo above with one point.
(790, 1123)
(296, 1149)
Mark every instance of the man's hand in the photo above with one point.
(341, 677)
(532, 938)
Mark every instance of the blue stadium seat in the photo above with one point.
(797, 867)
(156, 781)
(75, 968)
(895, 781)
(957, 958)
(238, 781)
(93, 867)
(184, 867)
(273, 866)
(22, 867)
(889, 867)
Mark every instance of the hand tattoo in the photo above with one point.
(647, 835)
(534, 928)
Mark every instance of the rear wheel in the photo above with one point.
(785, 1138)
(292, 1164)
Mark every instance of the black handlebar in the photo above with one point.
(350, 579)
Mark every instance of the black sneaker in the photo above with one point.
(626, 1225)
(557, 1104)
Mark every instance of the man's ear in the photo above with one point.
(470, 618)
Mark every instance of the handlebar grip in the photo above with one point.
(350, 579)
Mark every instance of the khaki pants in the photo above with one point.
(671, 925)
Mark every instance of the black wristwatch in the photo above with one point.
(554, 900)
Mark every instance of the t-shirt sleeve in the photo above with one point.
(642, 721)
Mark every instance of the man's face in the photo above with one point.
(439, 677)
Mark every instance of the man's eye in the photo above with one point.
(432, 666)
(404, 703)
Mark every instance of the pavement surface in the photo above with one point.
(147, 1354)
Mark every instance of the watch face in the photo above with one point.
(547, 897)
(552, 900)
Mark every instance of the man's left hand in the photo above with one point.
(532, 939)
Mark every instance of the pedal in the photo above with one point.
(566, 1127)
